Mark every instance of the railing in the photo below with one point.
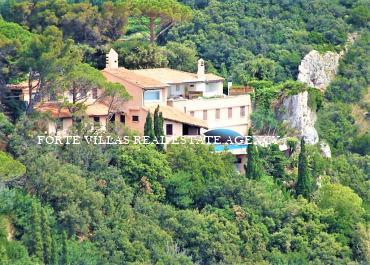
(240, 90)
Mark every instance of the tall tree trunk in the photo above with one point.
(152, 29)
(30, 90)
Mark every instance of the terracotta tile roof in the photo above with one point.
(135, 78)
(97, 109)
(173, 114)
(54, 108)
(171, 76)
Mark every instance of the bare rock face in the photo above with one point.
(325, 150)
(318, 70)
(296, 112)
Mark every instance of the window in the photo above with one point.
(217, 114)
(211, 88)
(192, 113)
(135, 118)
(123, 119)
(230, 112)
(83, 93)
(94, 93)
(152, 95)
(238, 160)
(169, 129)
(59, 124)
(242, 111)
(113, 118)
(204, 114)
(76, 120)
(96, 119)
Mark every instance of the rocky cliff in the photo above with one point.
(295, 111)
(318, 70)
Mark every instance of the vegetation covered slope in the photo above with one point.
(86, 204)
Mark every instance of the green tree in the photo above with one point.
(181, 56)
(77, 205)
(274, 162)
(10, 169)
(64, 258)
(200, 176)
(148, 177)
(360, 15)
(134, 54)
(114, 19)
(304, 181)
(36, 240)
(158, 128)
(3, 255)
(169, 12)
(148, 127)
(115, 95)
(41, 60)
(54, 251)
(253, 168)
(46, 238)
(347, 206)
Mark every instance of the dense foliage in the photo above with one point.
(136, 204)
(90, 204)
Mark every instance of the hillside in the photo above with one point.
(183, 204)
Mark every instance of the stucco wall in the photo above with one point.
(236, 122)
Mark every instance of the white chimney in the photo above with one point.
(201, 69)
(111, 59)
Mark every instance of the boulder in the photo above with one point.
(325, 150)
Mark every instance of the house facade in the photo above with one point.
(190, 102)
(146, 94)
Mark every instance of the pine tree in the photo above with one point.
(36, 244)
(253, 168)
(304, 182)
(46, 238)
(158, 128)
(65, 254)
(170, 11)
(148, 127)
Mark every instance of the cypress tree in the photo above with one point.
(65, 254)
(36, 244)
(158, 128)
(156, 119)
(148, 127)
(46, 238)
(253, 168)
(304, 182)
(4, 260)
(54, 252)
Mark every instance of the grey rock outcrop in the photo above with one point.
(325, 150)
(318, 70)
(296, 112)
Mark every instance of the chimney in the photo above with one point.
(201, 69)
(111, 59)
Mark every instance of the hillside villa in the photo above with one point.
(190, 103)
